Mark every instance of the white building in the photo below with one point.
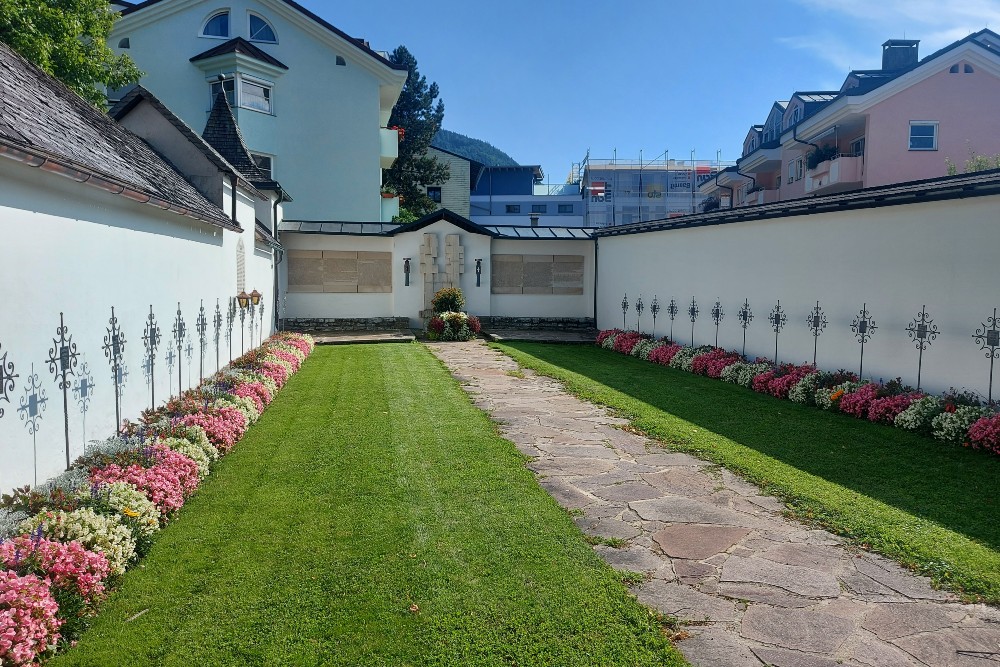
(312, 102)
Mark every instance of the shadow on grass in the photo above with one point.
(953, 487)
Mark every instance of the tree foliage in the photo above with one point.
(419, 113)
(68, 39)
(474, 149)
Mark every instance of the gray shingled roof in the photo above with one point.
(242, 46)
(41, 115)
(223, 134)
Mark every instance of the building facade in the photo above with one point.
(517, 195)
(312, 102)
(903, 122)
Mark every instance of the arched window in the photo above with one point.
(261, 30)
(968, 68)
(217, 26)
(953, 69)
(341, 61)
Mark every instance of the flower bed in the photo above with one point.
(957, 418)
(63, 543)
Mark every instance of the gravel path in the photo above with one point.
(755, 587)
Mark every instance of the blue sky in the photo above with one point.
(546, 80)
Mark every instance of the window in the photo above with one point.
(513, 208)
(967, 68)
(791, 172)
(228, 86)
(265, 164)
(217, 26)
(565, 208)
(341, 62)
(953, 69)
(923, 135)
(858, 147)
(255, 96)
(539, 208)
(124, 43)
(435, 194)
(261, 30)
(798, 169)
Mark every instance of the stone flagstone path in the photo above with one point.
(756, 588)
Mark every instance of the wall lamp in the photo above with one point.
(406, 270)
(479, 272)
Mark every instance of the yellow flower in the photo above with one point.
(129, 512)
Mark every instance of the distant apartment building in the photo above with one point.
(463, 176)
(620, 192)
(518, 195)
(899, 123)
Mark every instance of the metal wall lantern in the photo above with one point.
(988, 338)
(693, 315)
(479, 272)
(406, 271)
(255, 297)
(922, 332)
(639, 306)
(816, 321)
(745, 316)
(243, 299)
(718, 314)
(863, 328)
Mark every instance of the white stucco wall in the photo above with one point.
(547, 305)
(895, 259)
(324, 131)
(74, 249)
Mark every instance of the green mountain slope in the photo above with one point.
(474, 149)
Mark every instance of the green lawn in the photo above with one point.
(372, 484)
(925, 504)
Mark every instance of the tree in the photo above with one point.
(417, 113)
(69, 40)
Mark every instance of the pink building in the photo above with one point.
(895, 124)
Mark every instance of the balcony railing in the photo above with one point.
(389, 146)
(844, 171)
(390, 208)
(760, 197)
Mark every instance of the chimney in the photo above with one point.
(899, 54)
(534, 219)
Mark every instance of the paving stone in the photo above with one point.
(582, 451)
(799, 580)
(691, 571)
(738, 484)
(677, 509)
(941, 649)
(686, 603)
(626, 491)
(768, 503)
(635, 559)
(714, 646)
(872, 652)
(794, 629)
(893, 576)
(565, 494)
(864, 587)
(697, 542)
(892, 621)
(685, 481)
(812, 556)
(664, 459)
(764, 594)
(608, 527)
(570, 466)
(780, 657)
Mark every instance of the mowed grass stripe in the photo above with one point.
(372, 484)
(928, 505)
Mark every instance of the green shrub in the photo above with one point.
(449, 299)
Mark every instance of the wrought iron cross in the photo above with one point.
(672, 311)
(151, 341)
(863, 328)
(83, 390)
(260, 329)
(114, 350)
(243, 329)
(654, 309)
(777, 318)
(189, 353)
(988, 338)
(217, 322)
(201, 326)
(693, 314)
(230, 318)
(816, 321)
(62, 363)
(180, 333)
(253, 310)
(31, 407)
(639, 305)
(717, 316)
(922, 332)
(624, 310)
(745, 316)
(7, 377)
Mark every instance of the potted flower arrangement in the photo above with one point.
(450, 322)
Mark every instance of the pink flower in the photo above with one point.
(167, 483)
(985, 434)
(858, 401)
(28, 623)
(285, 355)
(222, 431)
(779, 381)
(255, 391)
(67, 566)
(603, 335)
(886, 409)
(712, 363)
(626, 341)
(663, 355)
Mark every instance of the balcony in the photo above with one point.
(762, 160)
(760, 197)
(390, 208)
(839, 174)
(389, 147)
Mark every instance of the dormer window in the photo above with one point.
(261, 30)
(217, 25)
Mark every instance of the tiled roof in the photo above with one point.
(41, 116)
(391, 228)
(360, 44)
(222, 132)
(241, 46)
